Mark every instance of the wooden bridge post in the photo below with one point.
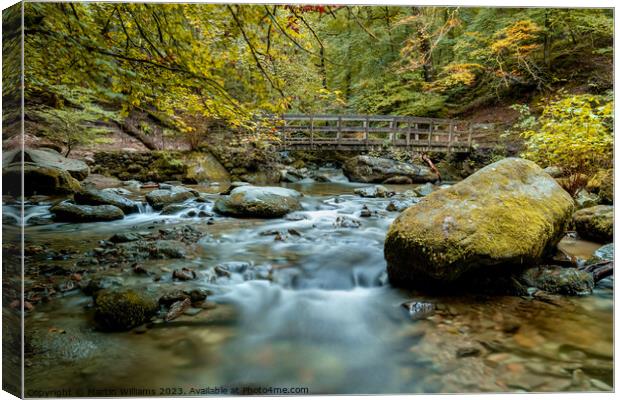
(430, 134)
(391, 133)
(366, 123)
(409, 132)
(471, 131)
(312, 131)
(339, 134)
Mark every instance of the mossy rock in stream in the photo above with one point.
(504, 217)
(595, 223)
(124, 309)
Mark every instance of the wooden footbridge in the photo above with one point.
(365, 132)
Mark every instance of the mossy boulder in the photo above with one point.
(602, 183)
(38, 180)
(96, 197)
(159, 198)
(595, 223)
(499, 220)
(121, 310)
(66, 211)
(367, 169)
(258, 202)
(204, 167)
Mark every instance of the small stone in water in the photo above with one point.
(191, 311)
(419, 310)
(365, 212)
(177, 309)
(468, 352)
(184, 274)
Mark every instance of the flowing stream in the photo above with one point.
(307, 305)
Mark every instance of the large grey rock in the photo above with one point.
(369, 169)
(159, 198)
(503, 218)
(259, 202)
(47, 158)
(94, 197)
(595, 223)
(68, 212)
(38, 180)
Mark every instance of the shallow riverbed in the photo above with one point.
(325, 319)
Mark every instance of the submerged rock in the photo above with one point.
(124, 309)
(502, 218)
(558, 280)
(595, 223)
(158, 249)
(69, 212)
(159, 198)
(369, 169)
(124, 237)
(94, 197)
(259, 202)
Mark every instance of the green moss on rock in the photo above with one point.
(595, 223)
(123, 310)
(507, 214)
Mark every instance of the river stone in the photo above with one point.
(124, 309)
(159, 198)
(602, 183)
(94, 197)
(69, 212)
(424, 190)
(369, 169)
(373, 192)
(508, 214)
(47, 158)
(595, 223)
(558, 280)
(604, 253)
(259, 202)
(586, 199)
(38, 180)
(233, 186)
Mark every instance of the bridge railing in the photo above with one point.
(382, 130)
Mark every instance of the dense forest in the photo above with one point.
(191, 65)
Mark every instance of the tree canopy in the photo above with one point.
(185, 64)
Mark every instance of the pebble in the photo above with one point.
(468, 352)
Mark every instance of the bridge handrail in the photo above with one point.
(401, 131)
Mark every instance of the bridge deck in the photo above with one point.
(363, 132)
